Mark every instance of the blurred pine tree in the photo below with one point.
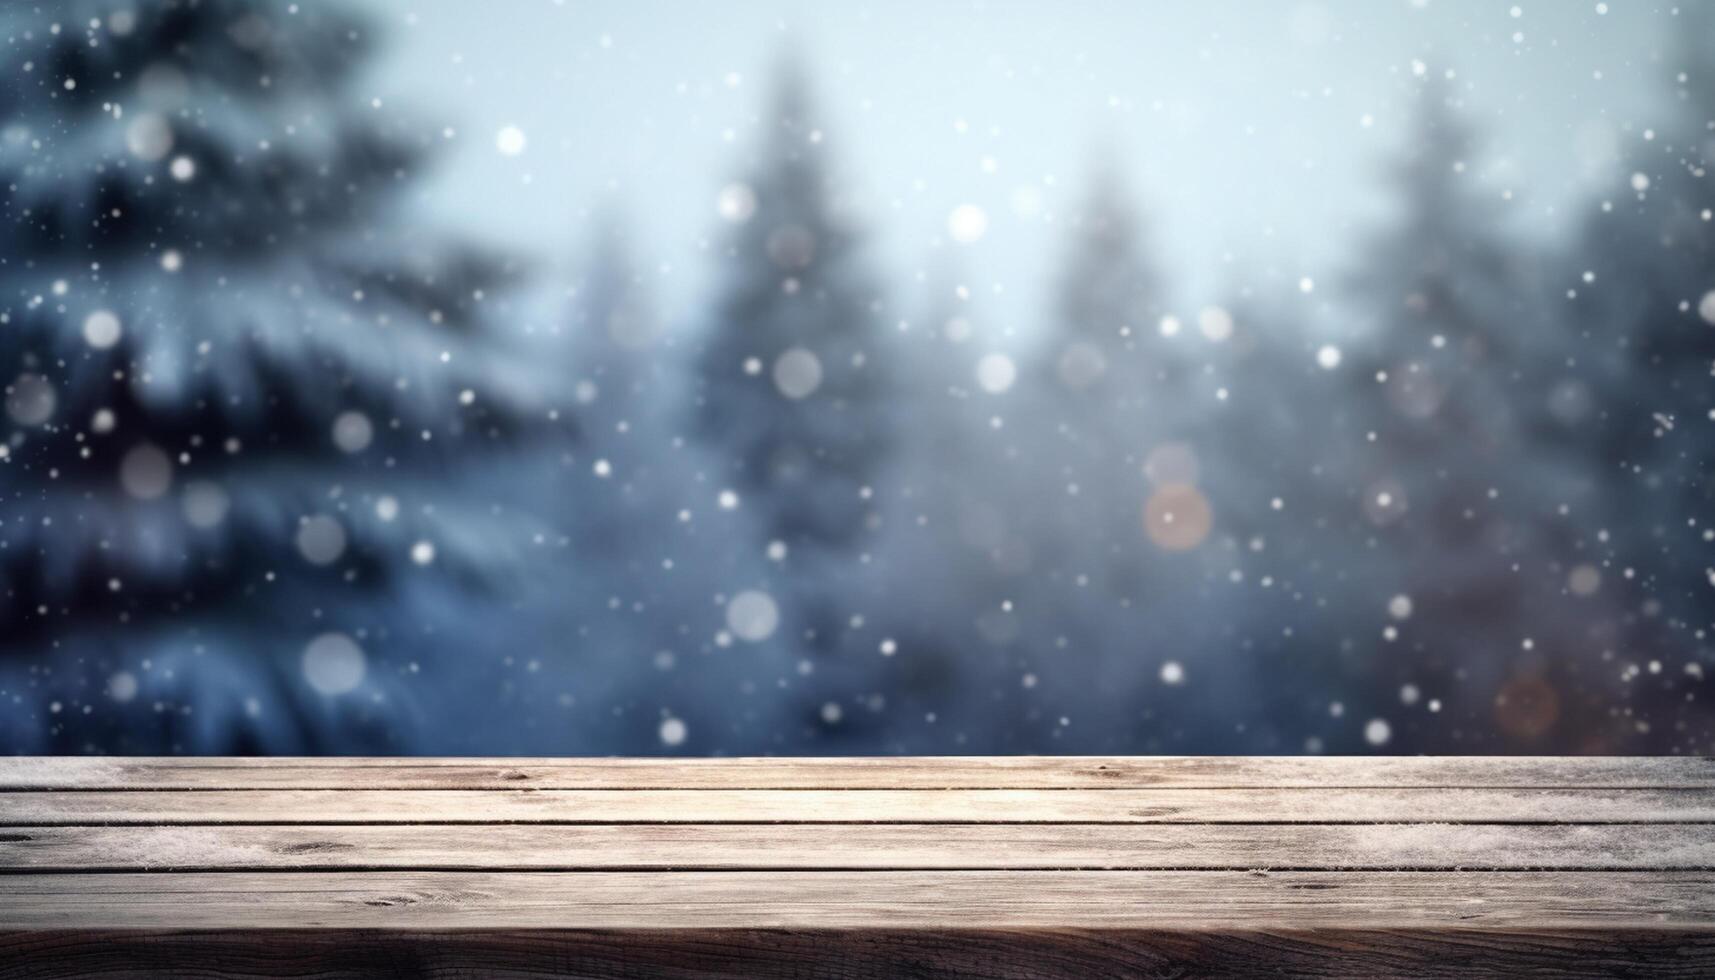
(795, 372)
(793, 384)
(1459, 521)
(253, 427)
(1634, 394)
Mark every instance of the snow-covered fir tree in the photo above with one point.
(641, 594)
(955, 516)
(794, 374)
(1101, 397)
(248, 424)
(1638, 386)
(1108, 387)
(792, 382)
(1471, 550)
(1252, 439)
(620, 382)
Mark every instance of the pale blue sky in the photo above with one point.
(1254, 133)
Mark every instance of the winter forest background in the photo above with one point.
(309, 447)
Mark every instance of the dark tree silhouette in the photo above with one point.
(1633, 392)
(793, 380)
(1461, 524)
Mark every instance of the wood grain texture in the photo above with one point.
(863, 846)
(871, 954)
(857, 868)
(1175, 900)
(847, 806)
(957, 772)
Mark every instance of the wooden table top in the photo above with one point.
(858, 868)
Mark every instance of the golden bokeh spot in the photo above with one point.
(1527, 707)
(1177, 517)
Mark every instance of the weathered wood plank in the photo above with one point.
(972, 772)
(867, 954)
(865, 846)
(907, 806)
(1200, 900)
(858, 868)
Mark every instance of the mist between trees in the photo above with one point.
(281, 474)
